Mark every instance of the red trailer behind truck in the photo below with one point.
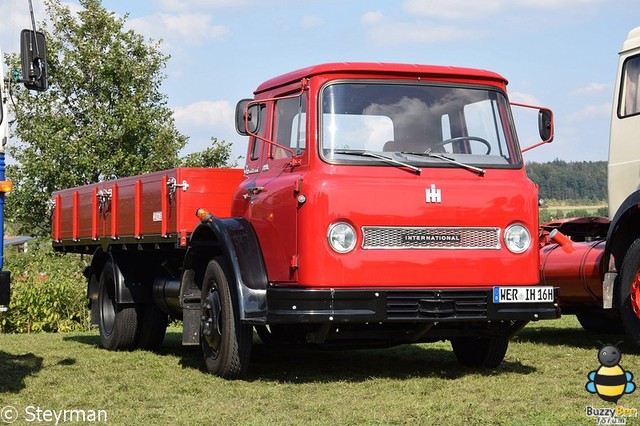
(380, 204)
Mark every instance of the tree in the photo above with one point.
(102, 118)
(217, 155)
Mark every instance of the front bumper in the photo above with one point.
(288, 305)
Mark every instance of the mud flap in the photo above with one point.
(607, 289)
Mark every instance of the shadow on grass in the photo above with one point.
(300, 365)
(306, 365)
(309, 365)
(90, 340)
(15, 369)
(575, 337)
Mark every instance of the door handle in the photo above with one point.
(254, 190)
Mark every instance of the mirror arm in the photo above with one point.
(539, 108)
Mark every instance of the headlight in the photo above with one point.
(342, 237)
(517, 238)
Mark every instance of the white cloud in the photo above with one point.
(205, 114)
(590, 112)
(556, 4)
(523, 98)
(592, 89)
(181, 5)
(370, 18)
(453, 9)
(312, 21)
(474, 9)
(398, 33)
(187, 27)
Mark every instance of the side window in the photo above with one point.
(484, 122)
(630, 88)
(257, 143)
(290, 126)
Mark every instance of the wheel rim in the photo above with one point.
(108, 307)
(211, 325)
(635, 295)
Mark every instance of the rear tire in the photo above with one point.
(118, 323)
(629, 293)
(485, 352)
(153, 327)
(594, 321)
(226, 343)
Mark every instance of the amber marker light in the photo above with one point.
(204, 215)
(5, 186)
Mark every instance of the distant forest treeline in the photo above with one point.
(584, 182)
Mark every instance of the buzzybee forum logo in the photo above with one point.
(610, 381)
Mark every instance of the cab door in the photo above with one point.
(273, 190)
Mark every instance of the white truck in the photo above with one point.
(598, 267)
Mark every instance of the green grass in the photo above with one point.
(541, 382)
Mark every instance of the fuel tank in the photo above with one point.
(576, 268)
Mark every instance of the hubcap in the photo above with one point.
(211, 324)
(635, 295)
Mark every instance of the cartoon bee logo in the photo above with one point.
(610, 381)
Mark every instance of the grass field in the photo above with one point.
(542, 381)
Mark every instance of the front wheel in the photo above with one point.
(485, 352)
(226, 343)
(629, 293)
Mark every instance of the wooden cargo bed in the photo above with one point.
(154, 207)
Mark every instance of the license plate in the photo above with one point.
(522, 294)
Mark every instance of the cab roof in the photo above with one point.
(381, 69)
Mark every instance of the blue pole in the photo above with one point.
(1, 213)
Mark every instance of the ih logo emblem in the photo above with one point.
(434, 195)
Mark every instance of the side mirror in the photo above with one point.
(33, 54)
(545, 125)
(249, 123)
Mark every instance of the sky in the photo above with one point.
(561, 54)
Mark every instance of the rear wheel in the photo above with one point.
(153, 327)
(226, 343)
(485, 352)
(629, 293)
(598, 321)
(118, 323)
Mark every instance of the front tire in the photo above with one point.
(118, 323)
(485, 352)
(226, 343)
(629, 293)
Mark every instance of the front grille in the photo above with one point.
(387, 237)
(437, 305)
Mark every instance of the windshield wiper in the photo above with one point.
(449, 160)
(414, 169)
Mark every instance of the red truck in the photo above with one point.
(380, 204)
(596, 261)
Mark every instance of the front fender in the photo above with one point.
(235, 240)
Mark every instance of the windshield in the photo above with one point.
(406, 121)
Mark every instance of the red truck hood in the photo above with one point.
(387, 202)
